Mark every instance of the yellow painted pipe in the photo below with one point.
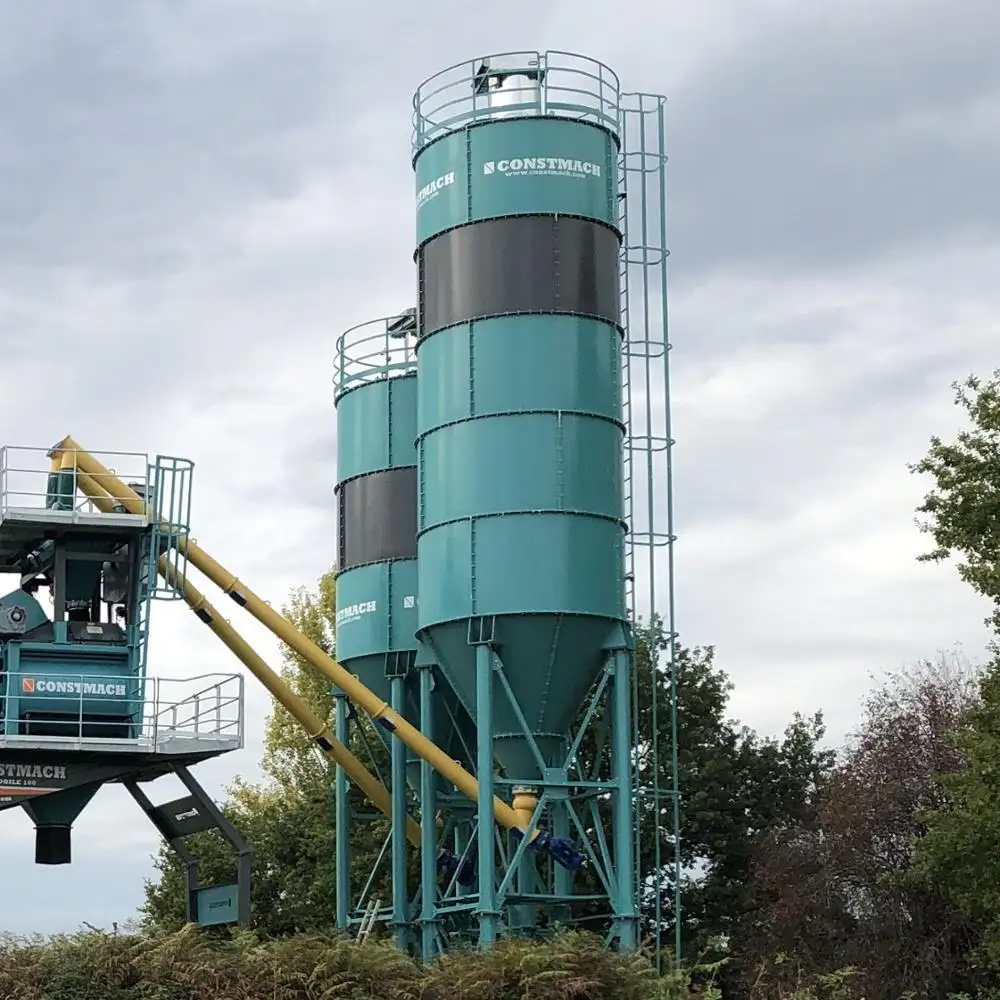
(303, 645)
(319, 733)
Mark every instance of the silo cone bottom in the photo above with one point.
(518, 757)
(53, 816)
(549, 687)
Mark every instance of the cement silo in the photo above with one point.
(521, 530)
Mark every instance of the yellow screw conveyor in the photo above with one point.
(94, 476)
(318, 731)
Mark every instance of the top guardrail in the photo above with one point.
(381, 348)
(515, 84)
(25, 479)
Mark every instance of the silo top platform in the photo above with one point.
(24, 516)
(378, 349)
(551, 84)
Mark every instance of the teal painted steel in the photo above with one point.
(376, 426)
(376, 602)
(33, 614)
(520, 427)
(376, 613)
(523, 167)
(520, 512)
(61, 491)
(521, 530)
(84, 680)
(217, 904)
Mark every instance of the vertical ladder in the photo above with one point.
(368, 920)
(626, 384)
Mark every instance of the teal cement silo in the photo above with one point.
(520, 431)
(376, 618)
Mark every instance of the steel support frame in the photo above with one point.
(244, 856)
(510, 892)
(403, 914)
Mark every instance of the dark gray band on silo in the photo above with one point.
(520, 264)
(377, 517)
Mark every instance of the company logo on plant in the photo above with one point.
(431, 190)
(41, 685)
(542, 166)
(354, 611)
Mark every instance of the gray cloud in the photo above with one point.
(839, 138)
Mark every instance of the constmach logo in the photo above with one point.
(354, 612)
(99, 689)
(536, 166)
(431, 190)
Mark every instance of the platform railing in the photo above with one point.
(214, 708)
(25, 472)
(545, 84)
(378, 349)
(152, 714)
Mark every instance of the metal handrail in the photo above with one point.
(377, 349)
(568, 86)
(149, 710)
(25, 470)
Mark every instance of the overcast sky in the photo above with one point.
(196, 198)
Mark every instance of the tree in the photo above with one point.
(290, 833)
(963, 510)
(286, 819)
(290, 757)
(837, 889)
(960, 853)
(735, 785)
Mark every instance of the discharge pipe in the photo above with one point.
(561, 849)
(319, 733)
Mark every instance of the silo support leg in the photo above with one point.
(428, 825)
(489, 914)
(400, 893)
(342, 818)
(563, 878)
(625, 919)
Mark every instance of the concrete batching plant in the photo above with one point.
(504, 542)
(78, 710)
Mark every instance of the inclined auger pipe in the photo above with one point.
(374, 706)
(318, 731)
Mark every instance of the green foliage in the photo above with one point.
(190, 966)
(963, 510)
(290, 834)
(960, 852)
(836, 890)
(735, 786)
(290, 758)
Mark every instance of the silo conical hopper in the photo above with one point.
(376, 618)
(520, 430)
